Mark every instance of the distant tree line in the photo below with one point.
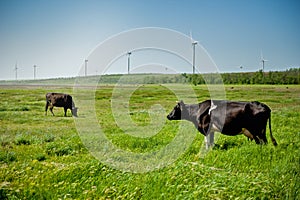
(142, 79)
(291, 76)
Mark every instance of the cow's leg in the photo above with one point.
(258, 140)
(206, 139)
(247, 134)
(46, 108)
(51, 109)
(212, 138)
(66, 109)
(263, 136)
(260, 136)
(209, 140)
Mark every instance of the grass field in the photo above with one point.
(43, 157)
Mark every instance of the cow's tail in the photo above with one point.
(272, 138)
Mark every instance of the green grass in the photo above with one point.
(43, 157)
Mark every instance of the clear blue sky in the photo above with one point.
(57, 35)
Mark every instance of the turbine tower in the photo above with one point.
(194, 43)
(85, 67)
(34, 71)
(262, 60)
(16, 70)
(128, 62)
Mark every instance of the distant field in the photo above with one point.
(43, 157)
(290, 77)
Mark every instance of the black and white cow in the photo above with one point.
(228, 117)
(60, 100)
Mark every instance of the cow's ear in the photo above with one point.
(181, 104)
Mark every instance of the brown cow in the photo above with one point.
(60, 100)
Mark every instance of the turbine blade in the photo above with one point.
(191, 37)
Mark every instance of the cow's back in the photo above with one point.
(59, 99)
(256, 108)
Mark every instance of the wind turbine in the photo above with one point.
(16, 70)
(194, 43)
(34, 71)
(262, 60)
(128, 62)
(85, 67)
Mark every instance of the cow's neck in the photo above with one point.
(190, 113)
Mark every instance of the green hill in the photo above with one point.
(291, 76)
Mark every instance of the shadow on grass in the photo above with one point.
(226, 145)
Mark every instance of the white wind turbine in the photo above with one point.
(262, 60)
(34, 71)
(194, 43)
(16, 70)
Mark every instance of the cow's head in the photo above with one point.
(74, 111)
(175, 114)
